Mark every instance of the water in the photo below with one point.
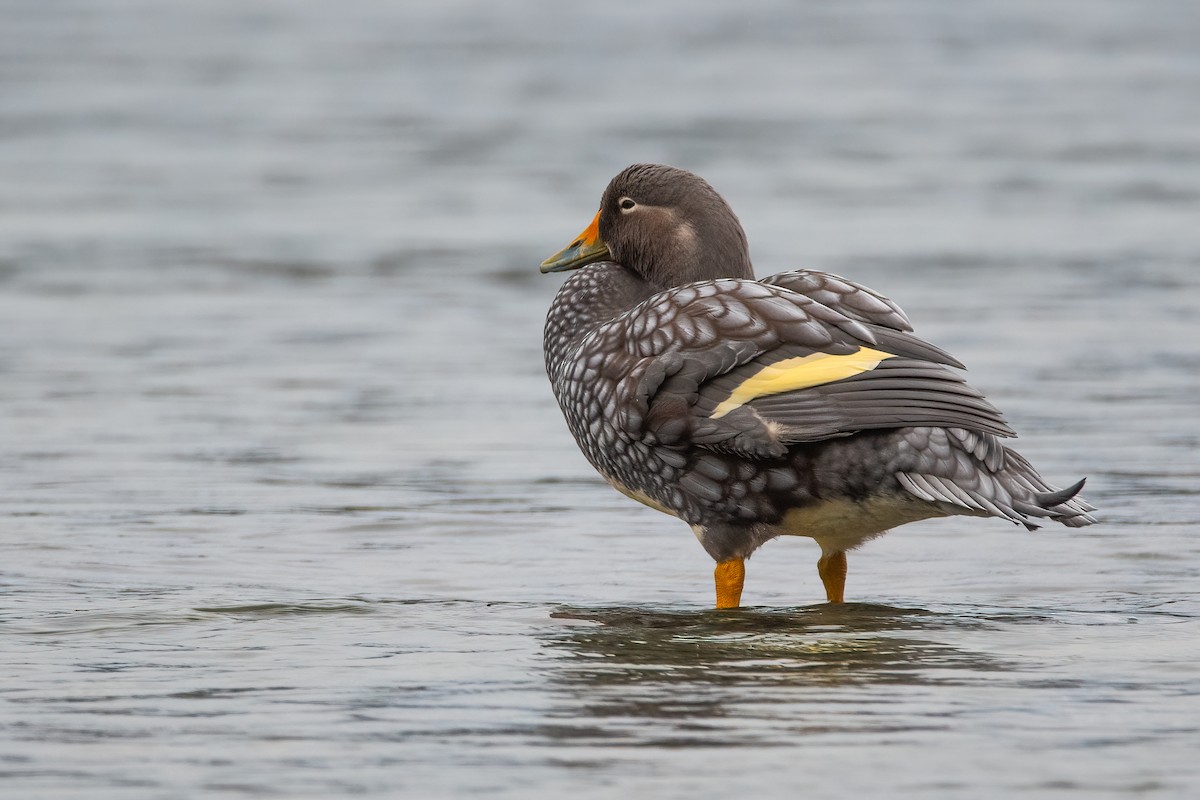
(287, 510)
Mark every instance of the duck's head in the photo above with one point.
(665, 224)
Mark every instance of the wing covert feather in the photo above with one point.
(696, 345)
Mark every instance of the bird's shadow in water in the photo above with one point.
(662, 664)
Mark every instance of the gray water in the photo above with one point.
(287, 509)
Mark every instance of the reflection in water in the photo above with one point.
(674, 677)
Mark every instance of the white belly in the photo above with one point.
(845, 524)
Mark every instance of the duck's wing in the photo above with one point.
(852, 299)
(750, 368)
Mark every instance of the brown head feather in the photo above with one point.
(679, 229)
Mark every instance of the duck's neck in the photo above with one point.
(687, 248)
(591, 297)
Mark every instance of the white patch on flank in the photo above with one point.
(845, 524)
(641, 497)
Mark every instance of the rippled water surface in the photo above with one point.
(287, 509)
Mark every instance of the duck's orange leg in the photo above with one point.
(832, 569)
(729, 577)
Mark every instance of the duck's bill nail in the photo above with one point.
(586, 249)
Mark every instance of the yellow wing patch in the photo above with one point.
(800, 373)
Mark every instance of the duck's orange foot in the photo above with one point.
(729, 577)
(832, 569)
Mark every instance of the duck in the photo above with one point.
(801, 404)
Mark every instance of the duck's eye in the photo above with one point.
(627, 204)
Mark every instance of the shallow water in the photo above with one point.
(286, 508)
